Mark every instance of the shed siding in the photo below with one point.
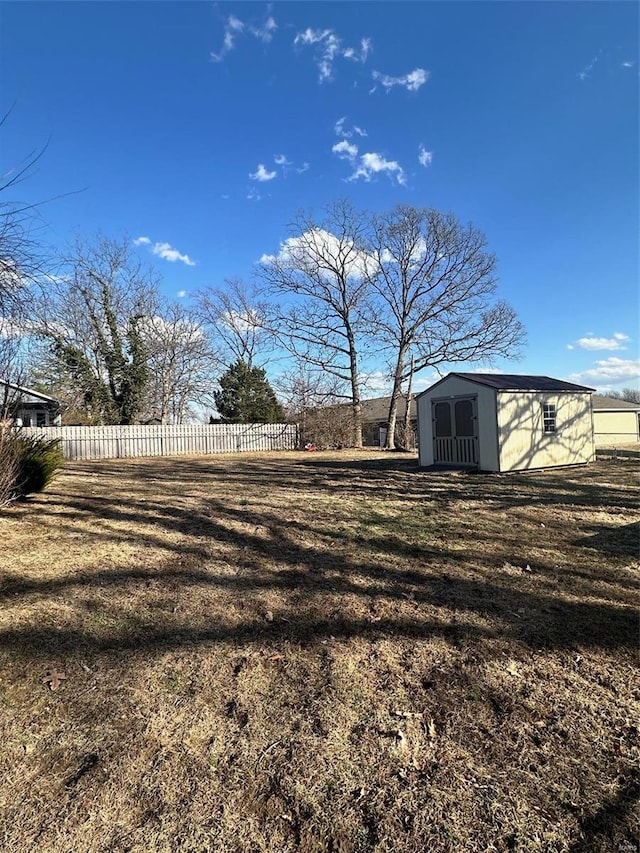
(454, 386)
(614, 428)
(523, 442)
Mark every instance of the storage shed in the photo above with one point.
(504, 422)
(615, 422)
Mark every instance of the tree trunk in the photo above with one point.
(390, 443)
(355, 389)
(407, 415)
(357, 423)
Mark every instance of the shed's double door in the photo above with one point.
(455, 431)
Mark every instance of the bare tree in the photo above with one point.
(91, 316)
(435, 283)
(322, 269)
(182, 364)
(237, 314)
(317, 402)
(21, 255)
(630, 395)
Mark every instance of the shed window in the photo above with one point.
(41, 419)
(549, 417)
(442, 412)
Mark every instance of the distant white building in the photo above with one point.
(26, 407)
(615, 422)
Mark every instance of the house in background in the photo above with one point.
(375, 416)
(615, 422)
(26, 407)
(505, 422)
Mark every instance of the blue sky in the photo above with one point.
(205, 127)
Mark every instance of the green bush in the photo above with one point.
(38, 461)
(32, 462)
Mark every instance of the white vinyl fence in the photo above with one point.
(119, 442)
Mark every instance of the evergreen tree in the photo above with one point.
(245, 396)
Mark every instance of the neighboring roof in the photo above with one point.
(24, 393)
(516, 382)
(378, 409)
(610, 404)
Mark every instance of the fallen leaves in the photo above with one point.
(54, 678)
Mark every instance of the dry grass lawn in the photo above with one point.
(320, 652)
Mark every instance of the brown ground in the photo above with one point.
(320, 652)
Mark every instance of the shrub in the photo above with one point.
(38, 460)
(9, 466)
(28, 463)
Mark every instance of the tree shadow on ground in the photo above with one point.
(595, 832)
(218, 564)
(614, 541)
(435, 588)
(210, 542)
(392, 478)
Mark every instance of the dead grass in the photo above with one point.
(320, 652)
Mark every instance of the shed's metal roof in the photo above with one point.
(601, 403)
(517, 382)
(513, 382)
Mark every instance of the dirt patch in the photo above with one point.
(320, 652)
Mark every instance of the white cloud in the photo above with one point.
(266, 31)
(164, 251)
(595, 343)
(303, 253)
(421, 383)
(16, 329)
(609, 370)
(261, 174)
(234, 27)
(242, 321)
(371, 164)
(329, 47)
(286, 166)
(586, 71)
(310, 36)
(424, 157)
(182, 294)
(345, 150)
(358, 55)
(341, 130)
(253, 195)
(168, 253)
(628, 64)
(373, 383)
(411, 81)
